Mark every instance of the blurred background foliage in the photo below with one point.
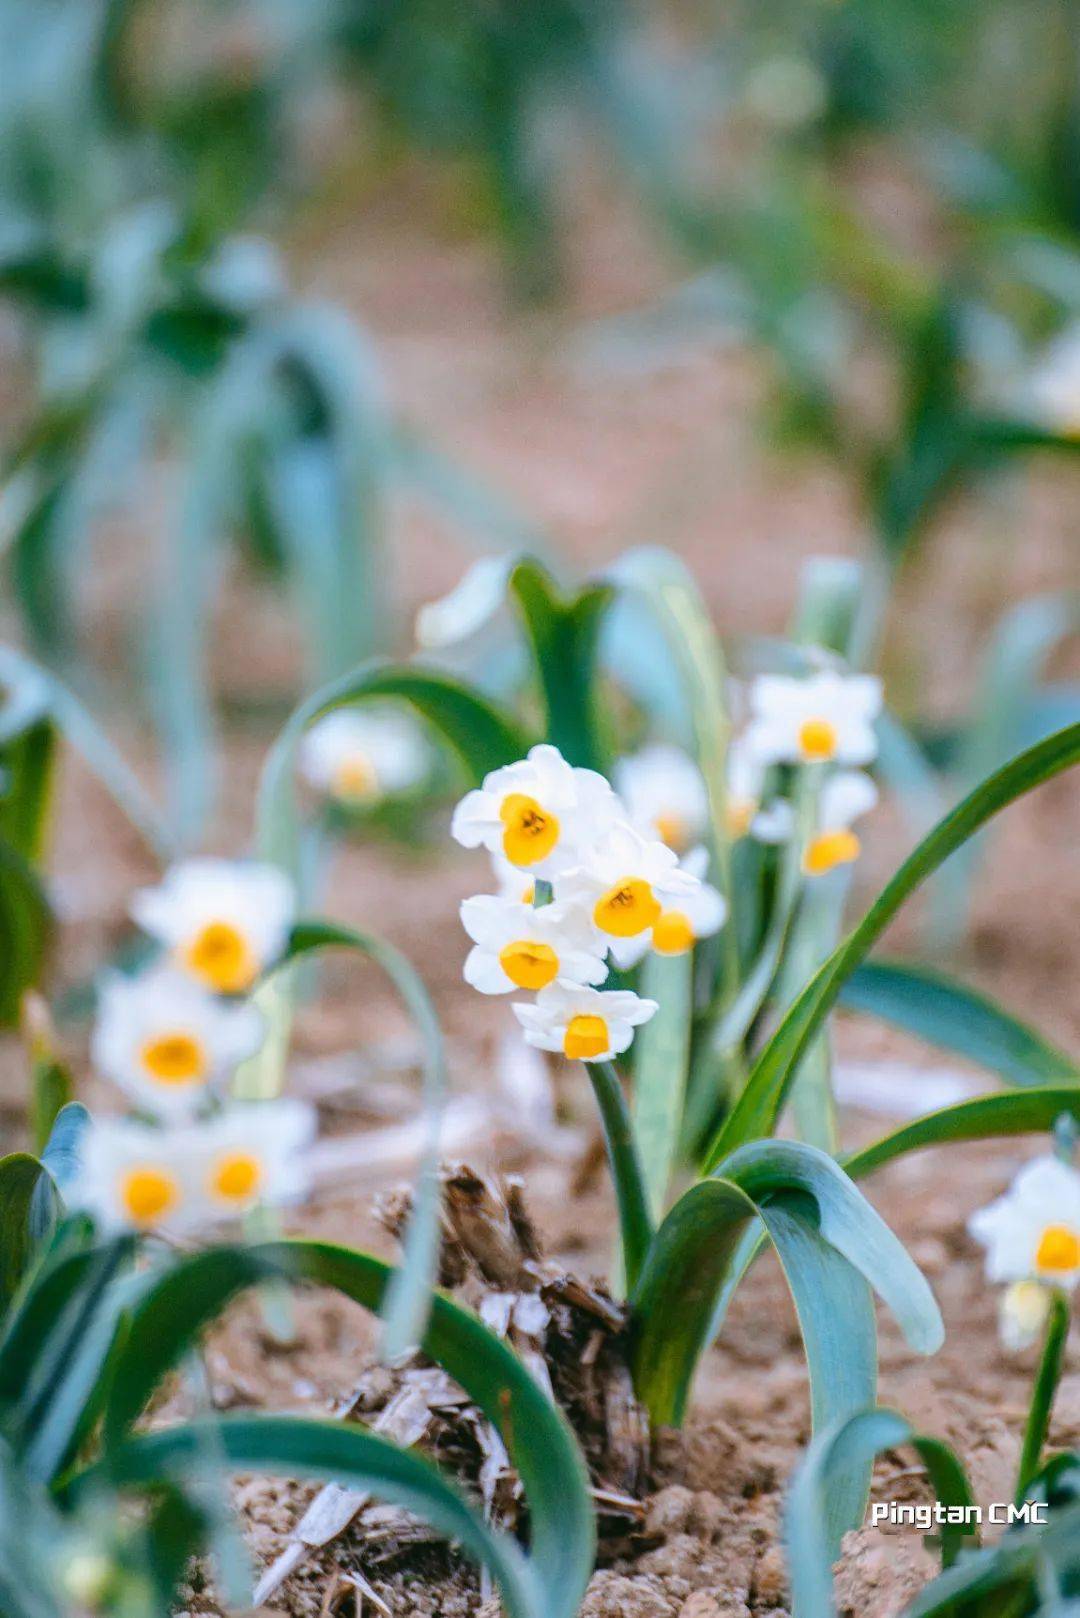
(881, 198)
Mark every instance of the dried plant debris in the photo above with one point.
(570, 1333)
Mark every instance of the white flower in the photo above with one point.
(828, 718)
(845, 797)
(358, 755)
(520, 947)
(1050, 393)
(626, 881)
(746, 815)
(475, 599)
(167, 1042)
(694, 915)
(1033, 1231)
(590, 1025)
(664, 794)
(256, 1152)
(133, 1176)
(1022, 1314)
(538, 812)
(224, 921)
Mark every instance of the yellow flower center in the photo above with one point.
(528, 964)
(830, 849)
(354, 779)
(147, 1194)
(817, 740)
(529, 832)
(174, 1059)
(219, 954)
(627, 909)
(671, 829)
(1058, 1250)
(236, 1177)
(672, 933)
(740, 815)
(586, 1038)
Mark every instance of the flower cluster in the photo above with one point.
(171, 1037)
(614, 888)
(1032, 1241)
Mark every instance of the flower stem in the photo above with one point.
(635, 1221)
(1042, 1396)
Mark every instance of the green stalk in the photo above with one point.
(1042, 1395)
(631, 1194)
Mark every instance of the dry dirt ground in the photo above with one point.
(672, 458)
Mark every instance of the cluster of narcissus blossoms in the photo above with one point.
(589, 875)
(171, 1038)
(1032, 1241)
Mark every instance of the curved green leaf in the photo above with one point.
(536, 1436)
(854, 1442)
(758, 1108)
(949, 1014)
(699, 1241)
(27, 761)
(340, 1451)
(20, 1176)
(480, 735)
(661, 1061)
(563, 635)
(1014, 1112)
(25, 924)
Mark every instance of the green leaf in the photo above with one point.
(343, 1452)
(661, 1060)
(1016, 1112)
(538, 1441)
(25, 925)
(480, 735)
(26, 764)
(60, 1154)
(854, 1442)
(20, 1176)
(563, 636)
(956, 1018)
(756, 1112)
(699, 1242)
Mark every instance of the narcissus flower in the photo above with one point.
(538, 812)
(826, 719)
(224, 921)
(680, 924)
(588, 1025)
(627, 881)
(845, 797)
(520, 947)
(747, 816)
(1022, 1313)
(253, 1153)
(167, 1042)
(1033, 1231)
(133, 1176)
(359, 755)
(475, 599)
(664, 794)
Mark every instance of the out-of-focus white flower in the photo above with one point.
(133, 1176)
(626, 881)
(538, 812)
(1033, 1231)
(167, 1042)
(520, 947)
(1022, 1314)
(24, 693)
(844, 798)
(664, 794)
(697, 914)
(224, 921)
(358, 755)
(588, 1025)
(475, 599)
(828, 718)
(746, 814)
(256, 1152)
(1050, 393)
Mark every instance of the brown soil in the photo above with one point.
(673, 458)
